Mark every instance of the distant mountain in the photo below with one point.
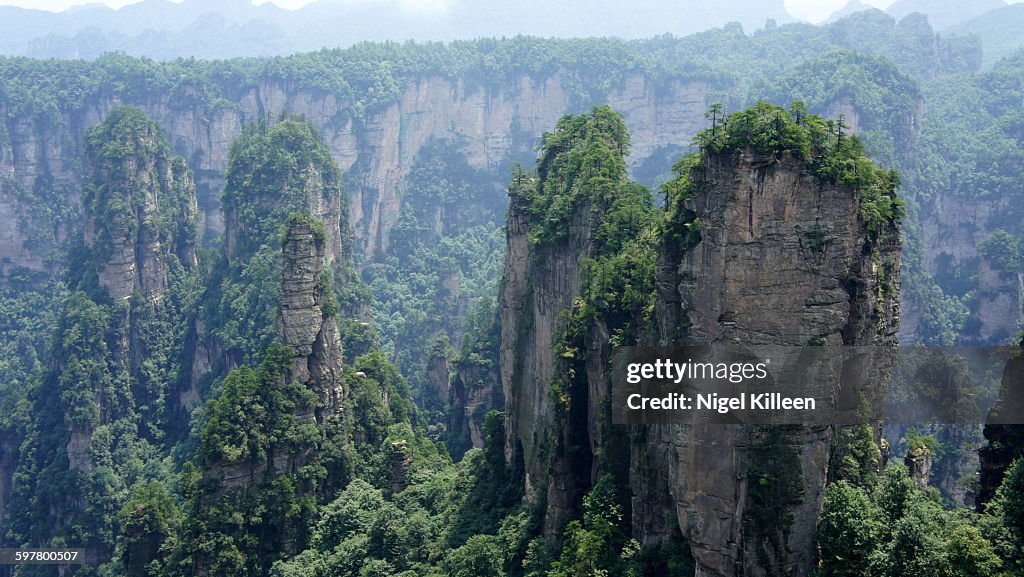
(999, 30)
(852, 7)
(228, 28)
(944, 13)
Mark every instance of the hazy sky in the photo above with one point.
(813, 10)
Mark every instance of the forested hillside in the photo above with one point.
(350, 312)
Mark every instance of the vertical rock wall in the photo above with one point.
(783, 259)
(305, 324)
(376, 153)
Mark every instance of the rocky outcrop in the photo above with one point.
(1005, 440)
(401, 462)
(537, 287)
(474, 391)
(129, 281)
(307, 325)
(438, 378)
(782, 259)
(140, 207)
(139, 236)
(768, 254)
(919, 465)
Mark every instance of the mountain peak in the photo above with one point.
(852, 7)
(944, 13)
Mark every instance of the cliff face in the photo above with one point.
(495, 125)
(758, 250)
(307, 325)
(536, 289)
(782, 259)
(574, 275)
(952, 227)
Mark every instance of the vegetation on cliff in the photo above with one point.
(383, 496)
(831, 156)
(101, 411)
(886, 525)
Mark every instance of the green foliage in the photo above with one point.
(849, 532)
(243, 307)
(128, 191)
(496, 491)
(923, 444)
(596, 545)
(443, 521)
(969, 554)
(893, 528)
(275, 170)
(583, 160)
(582, 171)
(149, 518)
(882, 96)
(858, 457)
(480, 556)
(446, 249)
(969, 149)
(446, 516)
(26, 317)
(775, 483)
(1003, 250)
(833, 156)
(1006, 512)
(254, 426)
(257, 411)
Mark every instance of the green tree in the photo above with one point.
(594, 544)
(481, 556)
(849, 532)
(1003, 250)
(970, 554)
(1007, 510)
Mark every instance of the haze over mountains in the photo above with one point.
(996, 23)
(163, 29)
(229, 28)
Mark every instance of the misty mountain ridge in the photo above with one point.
(942, 14)
(232, 28)
(999, 31)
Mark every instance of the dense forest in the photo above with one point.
(242, 334)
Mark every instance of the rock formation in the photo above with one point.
(782, 259)
(140, 232)
(129, 283)
(140, 206)
(759, 251)
(1004, 433)
(307, 325)
(919, 465)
